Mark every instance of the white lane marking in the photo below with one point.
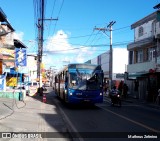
(135, 122)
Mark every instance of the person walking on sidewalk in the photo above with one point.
(40, 91)
(158, 97)
(125, 90)
(120, 87)
(105, 87)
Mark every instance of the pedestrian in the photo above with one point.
(105, 87)
(120, 87)
(40, 91)
(158, 97)
(125, 90)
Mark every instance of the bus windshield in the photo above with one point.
(85, 79)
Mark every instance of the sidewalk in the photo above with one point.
(142, 102)
(6, 107)
(134, 101)
(33, 115)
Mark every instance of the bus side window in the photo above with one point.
(56, 79)
(66, 76)
(66, 79)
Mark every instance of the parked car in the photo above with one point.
(33, 88)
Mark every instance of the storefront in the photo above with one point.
(144, 86)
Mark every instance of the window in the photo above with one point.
(140, 31)
(130, 57)
(151, 54)
(139, 56)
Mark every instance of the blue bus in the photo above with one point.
(80, 83)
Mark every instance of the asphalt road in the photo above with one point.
(104, 122)
(82, 123)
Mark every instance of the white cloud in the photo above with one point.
(59, 51)
(58, 42)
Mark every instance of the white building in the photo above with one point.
(31, 69)
(144, 58)
(120, 60)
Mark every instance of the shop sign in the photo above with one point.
(21, 57)
(120, 75)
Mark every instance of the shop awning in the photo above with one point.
(137, 74)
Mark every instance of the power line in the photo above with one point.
(58, 15)
(89, 35)
(93, 40)
(96, 46)
(81, 36)
(90, 46)
(51, 15)
(121, 28)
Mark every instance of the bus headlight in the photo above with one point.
(100, 94)
(70, 93)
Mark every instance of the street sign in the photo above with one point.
(120, 75)
(20, 57)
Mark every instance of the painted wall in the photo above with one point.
(147, 31)
(120, 60)
(151, 28)
(32, 67)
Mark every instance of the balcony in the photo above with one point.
(140, 43)
(141, 67)
(7, 46)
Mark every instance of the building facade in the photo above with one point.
(12, 55)
(120, 60)
(144, 58)
(31, 68)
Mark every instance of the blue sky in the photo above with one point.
(72, 37)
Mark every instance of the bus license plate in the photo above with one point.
(87, 100)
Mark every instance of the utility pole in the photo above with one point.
(109, 28)
(40, 42)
